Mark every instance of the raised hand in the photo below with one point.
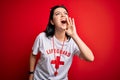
(71, 28)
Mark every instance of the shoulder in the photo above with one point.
(71, 41)
(41, 35)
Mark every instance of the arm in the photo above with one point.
(32, 65)
(86, 53)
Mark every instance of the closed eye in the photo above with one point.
(57, 13)
(66, 13)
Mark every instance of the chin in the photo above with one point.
(63, 27)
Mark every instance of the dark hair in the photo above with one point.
(50, 30)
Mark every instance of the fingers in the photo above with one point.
(69, 22)
(70, 29)
(73, 21)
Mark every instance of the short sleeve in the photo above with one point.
(36, 45)
(76, 50)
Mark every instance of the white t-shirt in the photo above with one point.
(45, 68)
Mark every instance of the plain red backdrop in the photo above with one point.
(97, 23)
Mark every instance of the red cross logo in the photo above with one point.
(57, 62)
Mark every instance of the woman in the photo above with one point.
(57, 46)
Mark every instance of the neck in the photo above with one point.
(60, 35)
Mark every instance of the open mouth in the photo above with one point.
(63, 22)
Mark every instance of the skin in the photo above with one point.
(69, 27)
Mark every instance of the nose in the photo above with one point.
(62, 14)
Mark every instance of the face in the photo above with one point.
(60, 18)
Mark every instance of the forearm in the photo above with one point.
(85, 51)
(32, 62)
(71, 31)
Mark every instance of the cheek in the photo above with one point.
(56, 20)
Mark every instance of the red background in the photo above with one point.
(97, 23)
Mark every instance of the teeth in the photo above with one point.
(63, 20)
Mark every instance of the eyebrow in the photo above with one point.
(59, 11)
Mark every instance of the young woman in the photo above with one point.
(57, 46)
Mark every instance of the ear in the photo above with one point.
(51, 21)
